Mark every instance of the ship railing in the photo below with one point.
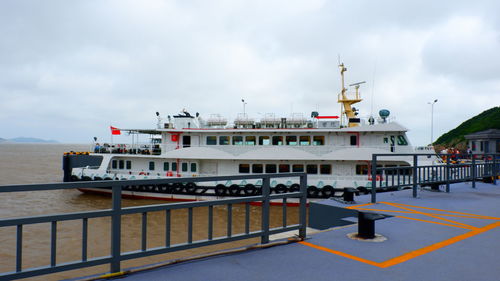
(455, 168)
(116, 214)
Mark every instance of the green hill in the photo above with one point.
(489, 119)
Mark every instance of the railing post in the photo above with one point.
(116, 228)
(473, 172)
(448, 173)
(374, 178)
(494, 169)
(265, 210)
(415, 175)
(303, 206)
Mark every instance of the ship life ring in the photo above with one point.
(142, 173)
(377, 177)
(74, 178)
(170, 174)
(250, 189)
(191, 187)
(489, 158)
(294, 187)
(327, 191)
(312, 191)
(234, 189)
(220, 190)
(280, 188)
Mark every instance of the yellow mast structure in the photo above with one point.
(347, 102)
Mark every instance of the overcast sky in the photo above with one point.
(69, 69)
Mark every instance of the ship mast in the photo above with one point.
(346, 101)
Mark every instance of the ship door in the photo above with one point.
(195, 140)
(186, 141)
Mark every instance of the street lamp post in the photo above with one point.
(432, 120)
(244, 103)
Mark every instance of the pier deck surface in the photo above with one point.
(438, 236)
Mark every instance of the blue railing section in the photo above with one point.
(453, 169)
(116, 212)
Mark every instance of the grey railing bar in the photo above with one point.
(19, 248)
(302, 209)
(247, 217)
(190, 226)
(53, 243)
(167, 228)
(85, 229)
(265, 210)
(116, 229)
(103, 183)
(144, 236)
(210, 222)
(229, 219)
(201, 243)
(49, 218)
(283, 211)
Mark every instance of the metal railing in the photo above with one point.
(456, 168)
(116, 212)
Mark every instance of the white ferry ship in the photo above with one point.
(335, 152)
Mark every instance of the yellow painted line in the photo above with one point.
(427, 214)
(409, 255)
(446, 211)
(428, 221)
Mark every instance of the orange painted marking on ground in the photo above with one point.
(435, 222)
(356, 206)
(410, 255)
(427, 214)
(470, 217)
(339, 253)
(441, 210)
(387, 211)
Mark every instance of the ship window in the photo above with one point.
(211, 140)
(121, 164)
(264, 140)
(129, 164)
(250, 140)
(277, 140)
(473, 145)
(312, 169)
(174, 166)
(297, 168)
(402, 140)
(114, 164)
(184, 167)
(224, 140)
(284, 168)
(244, 168)
(386, 140)
(354, 140)
(257, 169)
(291, 140)
(151, 166)
(391, 171)
(237, 140)
(305, 140)
(193, 167)
(270, 168)
(325, 169)
(318, 140)
(166, 166)
(361, 169)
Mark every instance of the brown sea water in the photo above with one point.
(42, 163)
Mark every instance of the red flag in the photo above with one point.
(115, 131)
